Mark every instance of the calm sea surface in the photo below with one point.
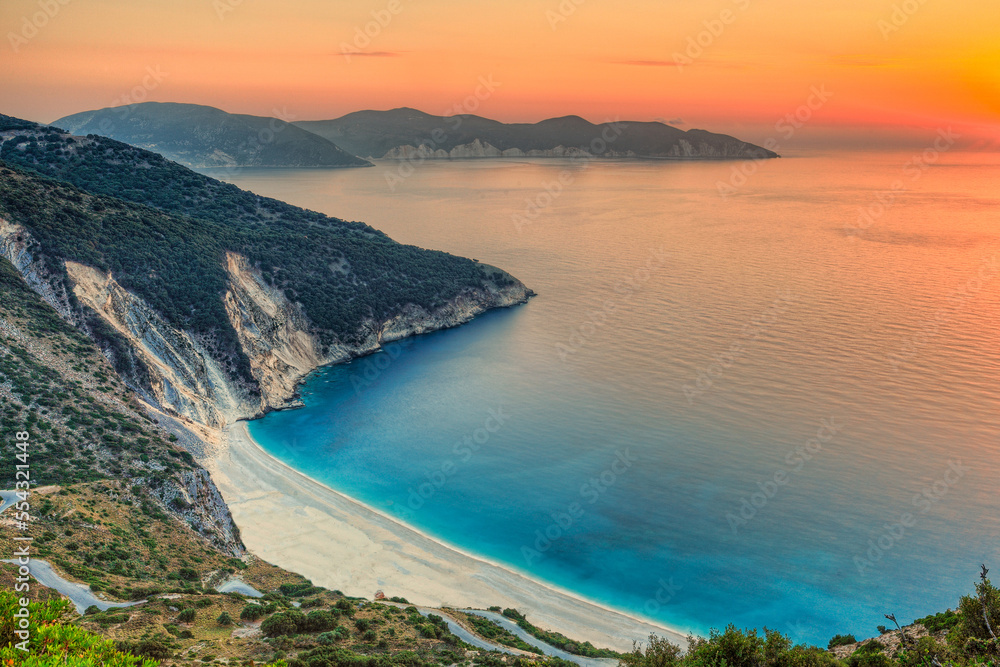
(757, 408)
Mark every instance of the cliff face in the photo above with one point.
(283, 348)
(187, 386)
(16, 246)
(480, 149)
(683, 149)
(76, 380)
(197, 500)
(408, 133)
(183, 378)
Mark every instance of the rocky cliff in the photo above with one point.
(683, 149)
(182, 376)
(480, 149)
(87, 418)
(408, 133)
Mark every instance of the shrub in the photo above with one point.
(972, 625)
(841, 640)
(430, 631)
(157, 648)
(252, 612)
(283, 623)
(923, 652)
(319, 620)
(869, 654)
(333, 636)
(224, 619)
(945, 620)
(52, 642)
(187, 615)
(514, 614)
(658, 653)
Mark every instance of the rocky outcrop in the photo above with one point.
(482, 149)
(183, 378)
(194, 497)
(683, 149)
(705, 150)
(283, 346)
(17, 246)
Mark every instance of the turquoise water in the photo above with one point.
(718, 409)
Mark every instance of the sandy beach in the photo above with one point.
(297, 523)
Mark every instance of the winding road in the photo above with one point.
(477, 641)
(235, 585)
(548, 649)
(79, 594)
(458, 630)
(8, 498)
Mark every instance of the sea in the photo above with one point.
(759, 393)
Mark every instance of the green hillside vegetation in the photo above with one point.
(55, 643)
(56, 385)
(163, 230)
(495, 632)
(558, 640)
(95, 516)
(960, 638)
(202, 136)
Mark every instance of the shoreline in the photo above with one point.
(293, 521)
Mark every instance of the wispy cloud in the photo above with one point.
(375, 54)
(646, 63)
(706, 62)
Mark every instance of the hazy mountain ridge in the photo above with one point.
(203, 136)
(405, 132)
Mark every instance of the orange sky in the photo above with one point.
(933, 62)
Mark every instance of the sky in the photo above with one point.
(874, 67)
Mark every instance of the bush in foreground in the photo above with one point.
(52, 642)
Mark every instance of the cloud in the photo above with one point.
(374, 54)
(646, 63)
(672, 121)
(707, 62)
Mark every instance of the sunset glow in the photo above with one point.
(722, 65)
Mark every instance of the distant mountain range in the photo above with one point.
(405, 132)
(201, 136)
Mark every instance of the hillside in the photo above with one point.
(202, 136)
(401, 133)
(118, 506)
(212, 301)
